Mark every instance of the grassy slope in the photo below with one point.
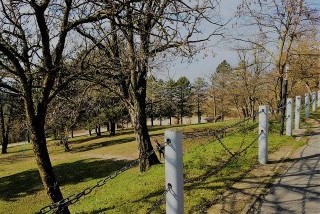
(94, 158)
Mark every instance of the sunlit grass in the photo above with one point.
(208, 170)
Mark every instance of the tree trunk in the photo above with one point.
(71, 132)
(90, 132)
(151, 114)
(139, 121)
(5, 142)
(170, 122)
(3, 131)
(55, 134)
(198, 108)
(48, 178)
(214, 108)
(28, 136)
(108, 126)
(112, 127)
(283, 109)
(280, 93)
(222, 109)
(98, 131)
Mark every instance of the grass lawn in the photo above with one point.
(208, 170)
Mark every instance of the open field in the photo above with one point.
(208, 169)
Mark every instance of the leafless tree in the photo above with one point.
(34, 37)
(128, 43)
(275, 25)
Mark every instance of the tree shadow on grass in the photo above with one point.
(101, 210)
(108, 142)
(14, 158)
(28, 182)
(101, 144)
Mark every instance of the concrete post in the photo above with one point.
(289, 117)
(297, 113)
(314, 101)
(174, 171)
(307, 105)
(263, 134)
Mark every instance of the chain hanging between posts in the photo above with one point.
(223, 130)
(250, 144)
(160, 200)
(224, 146)
(74, 198)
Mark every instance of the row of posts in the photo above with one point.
(263, 120)
(173, 149)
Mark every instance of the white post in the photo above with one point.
(289, 117)
(297, 113)
(307, 104)
(174, 171)
(263, 134)
(318, 99)
(314, 101)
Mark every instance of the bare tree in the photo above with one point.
(275, 26)
(33, 40)
(129, 42)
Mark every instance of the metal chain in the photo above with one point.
(214, 132)
(160, 200)
(251, 144)
(224, 146)
(281, 107)
(74, 198)
(312, 101)
(287, 118)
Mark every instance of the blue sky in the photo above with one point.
(202, 66)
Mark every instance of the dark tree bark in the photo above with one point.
(151, 113)
(47, 175)
(71, 132)
(28, 136)
(98, 130)
(108, 127)
(5, 128)
(5, 140)
(214, 107)
(112, 127)
(139, 121)
(198, 109)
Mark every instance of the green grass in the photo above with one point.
(208, 170)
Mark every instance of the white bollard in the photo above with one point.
(174, 171)
(307, 105)
(314, 101)
(263, 134)
(289, 117)
(297, 113)
(318, 99)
